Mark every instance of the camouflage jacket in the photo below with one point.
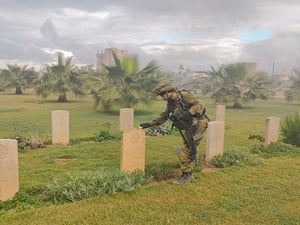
(185, 101)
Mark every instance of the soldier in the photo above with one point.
(187, 114)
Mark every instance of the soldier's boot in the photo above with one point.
(185, 177)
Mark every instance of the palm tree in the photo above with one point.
(124, 84)
(294, 90)
(232, 83)
(61, 79)
(18, 77)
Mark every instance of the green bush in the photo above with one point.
(276, 149)
(105, 135)
(234, 156)
(162, 171)
(24, 199)
(92, 183)
(290, 129)
(75, 187)
(32, 142)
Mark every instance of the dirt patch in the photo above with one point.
(206, 168)
(63, 161)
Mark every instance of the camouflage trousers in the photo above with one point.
(186, 163)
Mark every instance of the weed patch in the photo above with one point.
(290, 129)
(24, 199)
(234, 156)
(92, 183)
(106, 135)
(276, 149)
(76, 187)
(162, 171)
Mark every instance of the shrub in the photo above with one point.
(161, 171)
(75, 187)
(22, 142)
(92, 183)
(290, 129)
(276, 149)
(258, 142)
(24, 199)
(234, 156)
(105, 135)
(32, 142)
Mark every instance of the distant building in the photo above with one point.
(106, 57)
(251, 67)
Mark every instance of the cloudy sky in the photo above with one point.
(192, 33)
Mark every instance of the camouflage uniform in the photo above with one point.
(185, 101)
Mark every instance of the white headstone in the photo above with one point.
(60, 127)
(9, 171)
(272, 130)
(133, 150)
(215, 139)
(220, 113)
(126, 119)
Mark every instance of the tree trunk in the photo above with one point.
(107, 105)
(237, 105)
(19, 91)
(62, 98)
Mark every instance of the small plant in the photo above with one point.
(161, 171)
(105, 135)
(24, 199)
(35, 142)
(32, 142)
(158, 131)
(22, 142)
(234, 156)
(256, 137)
(290, 129)
(258, 142)
(276, 149)
(75, 187)
(92, 183)
(74, 141)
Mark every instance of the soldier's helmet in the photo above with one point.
(163, 87)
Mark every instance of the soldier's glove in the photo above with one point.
(145, 125)
(186, 115)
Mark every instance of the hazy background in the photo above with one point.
(192, 33)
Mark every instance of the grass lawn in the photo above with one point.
(267, 193)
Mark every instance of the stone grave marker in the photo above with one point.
(9, 171)
(126, 119)
(220, 113)
(133, 150)
(60, 127)
(215, 139)
(272, 129)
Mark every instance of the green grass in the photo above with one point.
(267, 193)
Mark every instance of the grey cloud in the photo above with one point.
(183, 27)
(22, 51)
(48, 30)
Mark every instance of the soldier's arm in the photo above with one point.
(163, 117)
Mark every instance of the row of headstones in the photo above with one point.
(132, 147)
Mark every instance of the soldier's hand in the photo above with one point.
(145, 125)
(186, 115)
(177, 114)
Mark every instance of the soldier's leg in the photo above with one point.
(186, 164)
